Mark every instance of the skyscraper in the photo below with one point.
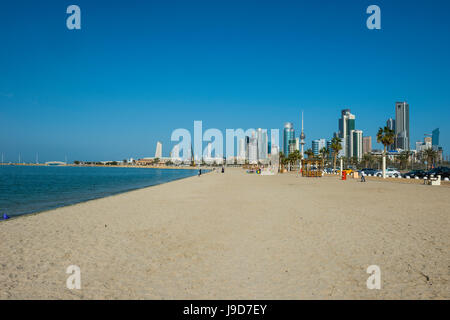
(288, 136)
(402, 125)
(158, 152)
(435, 137)
(317, 145)
(367, 145)
(390, 123)
(247, 142)
(356, 144)
(330, 152)
(253, 150)
(261, 137)
(241, 153)
(346, 125)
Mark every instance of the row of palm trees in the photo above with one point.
(295, 157)
(385, 136)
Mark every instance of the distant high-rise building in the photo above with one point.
(317, 145)
(367, 145)
(261, 137)
(435, 137)
(158, 152)
(241, 153)
(288, 136)
(419, 146)
(356, 144)
(330, 151)
(292, 146)
(390, 123)
(346, 125)
(402, 125)
(247, 142)
(253, 150)
(297, 143)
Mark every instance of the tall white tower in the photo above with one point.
(175, 154)
(158, 153)
(241, 149)
(302, 139)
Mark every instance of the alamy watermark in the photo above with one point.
(74, 280)
(252, 144)
(374, 281)
(73, 22)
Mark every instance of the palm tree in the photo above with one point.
(354, 161)
(324, 152)
(336, 146)
(430, 155)
(403, 158)
(367, 158)
(386, 137)
(309, 153)
(295, 157)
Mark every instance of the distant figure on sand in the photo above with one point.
(199, 172)
(223, 169)
(363, 179)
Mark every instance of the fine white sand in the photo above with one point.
(236, 236)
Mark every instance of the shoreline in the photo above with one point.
(236, 236)
(86, 201)
(104, 166)
(76, 202)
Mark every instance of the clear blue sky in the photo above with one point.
(139, 69)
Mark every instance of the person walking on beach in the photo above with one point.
(223, 169)
(199, 172)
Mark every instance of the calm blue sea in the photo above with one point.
(29, 189)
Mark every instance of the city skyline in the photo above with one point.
(113, 89)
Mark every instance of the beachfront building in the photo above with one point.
(241, 152)
(261, 137)
(330, 151)
(367, 145)
(288, 137)
(356, 144)
(253, 150)
(402, 126)
(158, 152)
(346, 125)
(317, 145)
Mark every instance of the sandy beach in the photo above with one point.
(236, 236)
